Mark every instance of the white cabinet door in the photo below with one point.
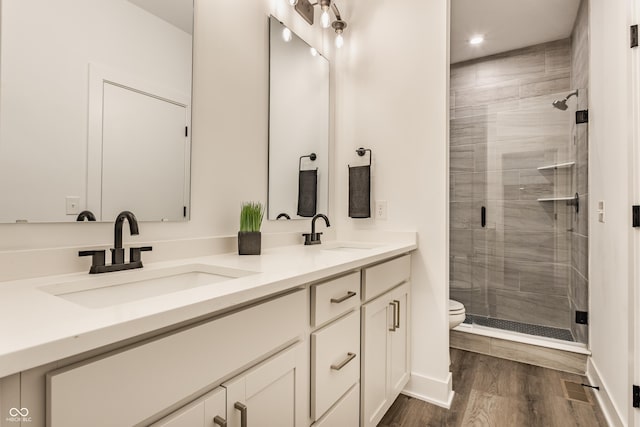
(376, 321)
(265, 396)
(207, 411)
(385, 352)
(399, 340)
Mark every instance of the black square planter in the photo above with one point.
(249, 242)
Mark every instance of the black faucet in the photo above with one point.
(313, 238)
(88, 215)
(117, 252)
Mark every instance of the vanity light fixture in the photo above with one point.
(305, 9)
(475, 40)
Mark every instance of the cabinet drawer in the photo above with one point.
(137, 383)
(346, 413)
(382, 277)
(335, 362)
(333, 298)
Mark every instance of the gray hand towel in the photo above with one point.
(307, 192)
(360, 191)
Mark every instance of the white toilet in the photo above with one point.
(456, 313)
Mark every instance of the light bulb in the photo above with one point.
(286, 34)
(476, 40)
(293, 2)
(313, 51)
(339, 41)
(325, 19)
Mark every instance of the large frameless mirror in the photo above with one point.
(95, 109)
(298, 126)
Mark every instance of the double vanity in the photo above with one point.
(299, 336)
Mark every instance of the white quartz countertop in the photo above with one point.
(37, 327)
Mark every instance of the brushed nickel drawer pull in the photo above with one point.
(344, 298)
(243, 413)
(350, 357)
(393, 321)
(397, 313)
(219, 421)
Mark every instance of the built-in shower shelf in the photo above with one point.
(554, 199)
(557, 166)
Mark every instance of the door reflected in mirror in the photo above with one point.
(95, 109)
(298, 127)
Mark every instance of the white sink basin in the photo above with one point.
(107, 289)
(348, 246)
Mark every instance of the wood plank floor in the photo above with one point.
(492, 392)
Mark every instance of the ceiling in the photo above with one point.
(508, 24)
(176, 12)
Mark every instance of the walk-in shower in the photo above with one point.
(518, 194)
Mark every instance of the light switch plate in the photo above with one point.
(73, 205)
(601, 211)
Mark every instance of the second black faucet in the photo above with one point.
(313, 238)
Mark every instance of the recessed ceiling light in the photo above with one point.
(476, 40)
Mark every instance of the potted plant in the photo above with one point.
(249, 237)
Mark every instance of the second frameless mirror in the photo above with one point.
(298, 127)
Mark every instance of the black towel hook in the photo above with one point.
(362, 151)
(311, 156)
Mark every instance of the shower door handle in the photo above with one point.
(483, 217)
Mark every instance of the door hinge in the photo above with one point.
(633, 33)
(635, 221)
(184, 211)
(186, 131)
(582, 116)
(582, 317)
(636, 396)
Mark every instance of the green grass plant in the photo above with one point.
(251, 215)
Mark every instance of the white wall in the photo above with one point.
(610, 181)
(392, 97)
(229, 156)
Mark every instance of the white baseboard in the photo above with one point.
(609, 409)
(430, 390)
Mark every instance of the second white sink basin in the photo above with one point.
(107, 289)
(348, 246)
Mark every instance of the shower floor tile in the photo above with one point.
(524, 328)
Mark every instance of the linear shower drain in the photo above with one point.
(575, 391)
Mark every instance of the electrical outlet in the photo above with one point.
(381, 209)
(73, 205)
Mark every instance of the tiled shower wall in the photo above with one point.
(503, 127)
(579, 240)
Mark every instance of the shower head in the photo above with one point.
(561, 104)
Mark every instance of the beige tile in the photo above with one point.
(471, 130)
(540, 356)
(544, 278)
(470, 342)
(527, 215)
(462, 75)
(558, 55)
(525, 307)
(482, 95)
(527, 62)
(543, 86)
(461, 158)
(539, 247)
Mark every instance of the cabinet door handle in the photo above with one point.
(219, 421)
(397, 313)
(243, 413)
(344, 298)
(350, 357)
(393, 322)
